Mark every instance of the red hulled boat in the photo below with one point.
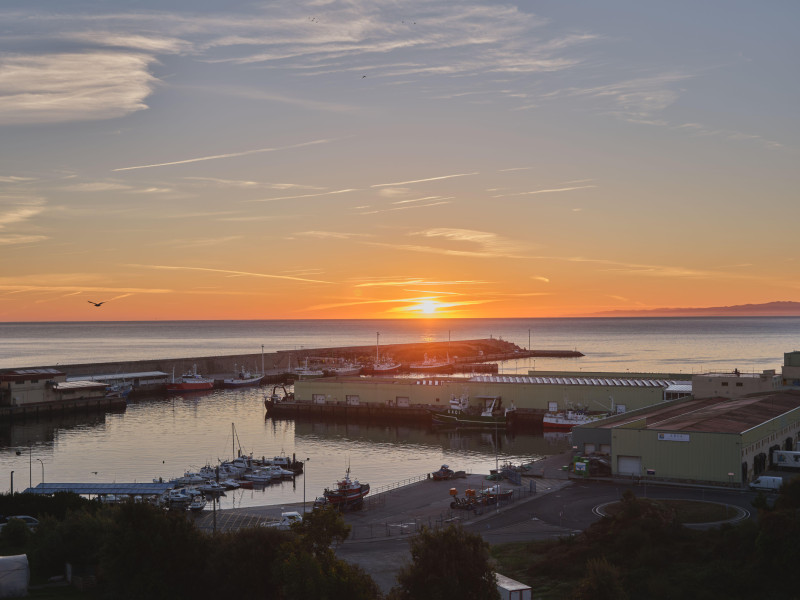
(347, 492)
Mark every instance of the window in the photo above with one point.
(724, 384)
(739, 384)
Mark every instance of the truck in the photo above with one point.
(786, 459)
(286, 520)
(764, 482)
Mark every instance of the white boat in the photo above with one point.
(278, 472)
(242, 378)
(189, 478)
(211, 487)
(261, 476)
(197, 504)
(381, 366)
(306, 372)
(432, 365)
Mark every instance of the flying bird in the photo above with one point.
(97, 303)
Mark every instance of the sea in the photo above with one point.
(165, 436)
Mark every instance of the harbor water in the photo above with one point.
(164, 436)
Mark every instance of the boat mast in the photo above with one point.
(262, 359)
(377, 343)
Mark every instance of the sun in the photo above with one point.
(428, 307)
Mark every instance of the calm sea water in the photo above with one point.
(165, 436)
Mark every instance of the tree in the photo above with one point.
(603, 581)
(447, 564)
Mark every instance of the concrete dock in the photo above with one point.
(381, 530)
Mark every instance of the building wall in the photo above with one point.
(791, 369)
(681, 456)
(774, 432)
(439, 391)
(732, 385)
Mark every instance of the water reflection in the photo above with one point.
(164, 436)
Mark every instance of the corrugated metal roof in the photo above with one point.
(119, 376)
(590, 381)
(78, 385)
(712, 415)
(99, 489)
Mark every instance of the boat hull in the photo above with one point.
(193, 386)
(246, 382)
(466, 420)
(347, 497)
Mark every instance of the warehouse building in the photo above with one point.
(709, 440)
(543, 392)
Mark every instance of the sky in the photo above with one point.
(383, 159)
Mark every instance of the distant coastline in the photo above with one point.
(768, 309)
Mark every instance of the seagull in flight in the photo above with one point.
(97, 303)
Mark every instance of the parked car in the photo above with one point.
(31, 522)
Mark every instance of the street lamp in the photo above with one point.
(30, 465)
(41, 461)
(12, 483)
(305, 474)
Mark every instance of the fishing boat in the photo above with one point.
(274, 398)
(190, 381)
(242, 378)
(381, 366)
(197, 504)
(306, 372)
(495, 494)
(461, 414)
(348, 492)
(119, 390)
(566, 420)
(432, 365)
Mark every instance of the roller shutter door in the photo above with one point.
(629, 465)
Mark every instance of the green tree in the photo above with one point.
(447, 564)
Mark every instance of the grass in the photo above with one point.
(687, 511)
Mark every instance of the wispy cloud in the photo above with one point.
(377, 185)
(303, 196)
(547, 191)
(227, 272)
(219, 156)
(332, 235)
(51, 88)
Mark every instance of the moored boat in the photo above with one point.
(348, 492)
(565, 421)
(381, 366)
(432, 365)
(460, 414)
(242, 378)
(190, 382)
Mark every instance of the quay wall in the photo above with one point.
(282, 361)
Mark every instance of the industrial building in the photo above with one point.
(539, 393)
(709, 440)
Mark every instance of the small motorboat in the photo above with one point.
(197, 504)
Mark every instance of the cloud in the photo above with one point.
(218, 156)
(489, 244)
(423, 180)
(53, 88)
(227, 272)
(19, 213)
(97, 186)
(16, 238)
(540, 278)
(332, 235)
(549, 191)
(14, 179)
(402, 282)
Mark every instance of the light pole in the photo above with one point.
(12, 483)
(41, 461)
(30, 465)
(305, 474)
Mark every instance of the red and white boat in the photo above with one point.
(348, 492)
(190, 382)
(565, 421)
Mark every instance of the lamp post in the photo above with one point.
(305, 474)
(41, 461)
(12, 483)
(30, 465)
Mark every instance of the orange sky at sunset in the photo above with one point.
(374, 160)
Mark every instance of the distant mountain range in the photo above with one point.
(769, 309)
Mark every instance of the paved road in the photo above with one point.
(566, 508)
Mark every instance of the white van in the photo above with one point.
(764, 482)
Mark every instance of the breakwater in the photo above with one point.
(277, 364)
